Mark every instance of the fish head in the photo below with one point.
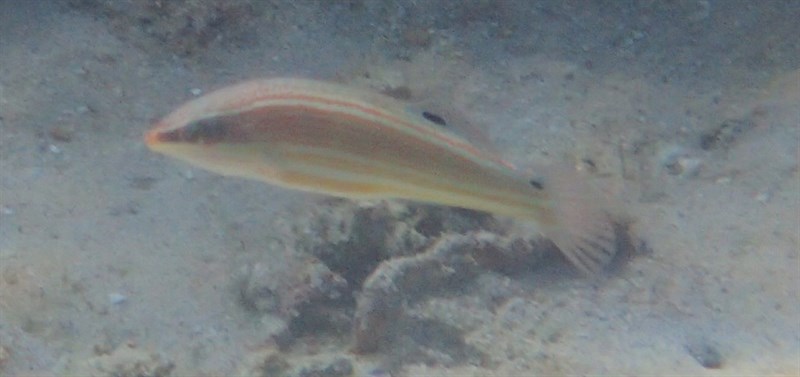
(213, 142)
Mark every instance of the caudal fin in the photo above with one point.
(583, 225)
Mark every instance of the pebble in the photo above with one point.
(685, 166)
(339, 367)
(61, 134)
(723, 180)
(5, 356)
(196, 91)
(117, 298)
(762, 197)
(677, 161)
(379, 373)
(705, 354)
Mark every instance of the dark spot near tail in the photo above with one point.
(535, 183)
(434, 118)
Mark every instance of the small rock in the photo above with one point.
(5, 356)
(287, 282)
(724, 180)
(62, 134)
(684, 166)
(339, 367)
(724, 135)
(129, 361)
(449, 262)
(117, 298)
(142, 182)
(762, 196)
(677, 160)
(417, 37)
(264, 362)
(705, 354)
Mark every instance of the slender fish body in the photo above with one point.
(332, 139)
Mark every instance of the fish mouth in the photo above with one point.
(157, 138)
(165, 132)
(161, 135)
(152, 138)
(202, 131)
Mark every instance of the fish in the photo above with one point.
(338, 140)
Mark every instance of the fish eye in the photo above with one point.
(434, 118)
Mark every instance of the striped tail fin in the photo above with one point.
(583, 226)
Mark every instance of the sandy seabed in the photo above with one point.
(115, 261)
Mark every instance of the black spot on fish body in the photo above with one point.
(537, 184)
(434, 118)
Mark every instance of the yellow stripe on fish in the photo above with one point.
(332, 139)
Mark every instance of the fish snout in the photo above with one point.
(201, 131)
